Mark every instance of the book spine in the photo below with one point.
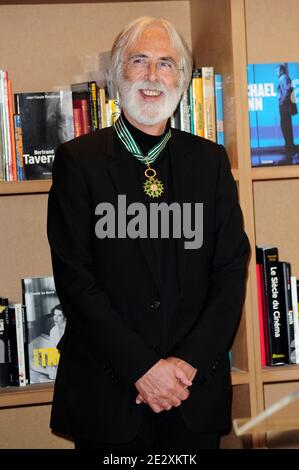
(14, 378)
(286, 275)
(191, 101)
(8, 350)
(268, 257)
(102, 94)
(20, 345)
(197, 94)
(4, 120)
(78, 126)
(19, 147)
(262, 313)
(93, 101)
(209, 103)
(219, 109)
(3, 348)
(84, 124)
(8, 131)
(277, 318)
(294, 293)
(12, 133)
(185, 112)
(26, 343)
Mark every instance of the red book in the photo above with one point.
(78, 122)
(82, 104)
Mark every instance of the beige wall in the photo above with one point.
(45, 47)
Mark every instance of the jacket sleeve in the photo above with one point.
(87, 306)
(212, 334)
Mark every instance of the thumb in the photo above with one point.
(139, 399)
(180, 374)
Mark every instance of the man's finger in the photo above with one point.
(182, 377)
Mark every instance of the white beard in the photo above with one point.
(148, 113)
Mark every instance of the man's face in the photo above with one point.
(150, 91)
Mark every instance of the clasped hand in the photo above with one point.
(166, 384)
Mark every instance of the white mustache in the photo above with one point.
(147, 85)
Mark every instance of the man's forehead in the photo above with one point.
(153, 40)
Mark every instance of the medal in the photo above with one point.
(153, 187)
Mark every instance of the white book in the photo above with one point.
(19, 314)
(295, 313)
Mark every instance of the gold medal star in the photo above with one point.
(153, 187)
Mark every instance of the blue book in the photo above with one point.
(19, 147)
(219, 109)
(273, 113)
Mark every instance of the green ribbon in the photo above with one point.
(128, 141)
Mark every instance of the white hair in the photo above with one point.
(133, 31)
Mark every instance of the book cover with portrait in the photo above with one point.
(46, 121)
(45, 327)
(273, 95)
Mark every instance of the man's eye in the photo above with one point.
(164, 64)
(138, 60)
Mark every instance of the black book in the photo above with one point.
(277, 351)
(285, 275)
(4, 366)
(89, 91)
(46, 121)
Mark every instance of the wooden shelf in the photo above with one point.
(239, 377)
(235, 173)
(39, 394)
(280, 373)
(25, 187)
(35, 394)
(55, 2)
(43, 186)
(275, 172)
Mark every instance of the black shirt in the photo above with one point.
(164, 249)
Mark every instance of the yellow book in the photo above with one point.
(197, 103)
(208, 91)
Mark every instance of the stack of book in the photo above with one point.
(278, 308)
(29, 334)
(32, 125)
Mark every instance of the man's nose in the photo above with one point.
(152, 71)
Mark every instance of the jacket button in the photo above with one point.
(155, 304)
(155, 347)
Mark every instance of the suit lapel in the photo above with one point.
(122, 170)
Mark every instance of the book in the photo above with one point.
(208, 93)
(277, 347)
(273, 113)
(4, 366)
(294, 294)
(284, 270)
(45, 327)
(47, 121)
(87, 93)
(219, 108)
(197, 103)
(262, 313)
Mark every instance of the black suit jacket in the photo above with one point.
(108, 288)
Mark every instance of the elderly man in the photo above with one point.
(150, 316)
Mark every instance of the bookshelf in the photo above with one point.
(70, 34)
